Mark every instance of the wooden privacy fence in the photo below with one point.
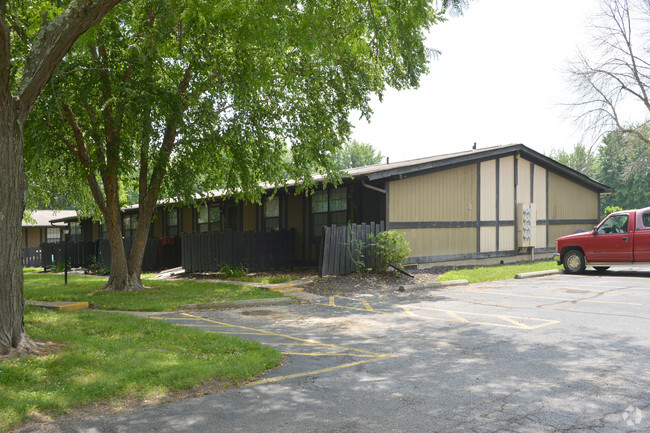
(341, 243)
(258, 251)
(159, 254)
(79, 254)
(32, 257)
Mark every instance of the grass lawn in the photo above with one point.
(161, 296)
(494, 273)
(108, 357)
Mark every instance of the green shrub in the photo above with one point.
(238, 272)
(391, 247)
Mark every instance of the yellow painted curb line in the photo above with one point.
(78, 306)
(297, 289)
(280, 288)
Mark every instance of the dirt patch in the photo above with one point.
(371, 282)
(36, 348)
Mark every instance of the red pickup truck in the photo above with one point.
(621, 238)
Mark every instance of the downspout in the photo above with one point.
(372, 187)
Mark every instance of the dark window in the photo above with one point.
(272, 214)
(53, 234)
(75, 232)
(129, 225)
(209, 218)
(329, 207)
(646, 220)
(172, 222)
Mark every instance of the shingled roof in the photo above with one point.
(43, 218)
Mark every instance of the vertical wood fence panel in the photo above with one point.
(159, 254)
(257, 251)
(32, 257)
(342, 247)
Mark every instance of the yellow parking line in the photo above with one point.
(408, 311)
(359, 353)
(324, 370)
(264, 332)
(456, 316)
(512, 321)
(328, 354)
(367, 305)
(552, 298)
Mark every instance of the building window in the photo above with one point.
(338, 206)
(75, 232)
(53, 234)
(172, 223)
(129, 225)
(209, 218)
(272, 214)
(329, 207)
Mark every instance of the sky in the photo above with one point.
(498, 81)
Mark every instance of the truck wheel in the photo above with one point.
(574, 262)
(601, 269)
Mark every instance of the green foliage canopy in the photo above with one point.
(201, 95)
(356, 154)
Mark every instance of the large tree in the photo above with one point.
(34, 37)
(611, 78)
(356, 154)
(619, 162)
(581, 159)
(181, 97)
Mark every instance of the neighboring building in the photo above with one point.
(39, 229)
(478, 206)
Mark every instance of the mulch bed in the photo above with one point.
(358, 283)
(351, 284)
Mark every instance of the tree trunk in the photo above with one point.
(119, 279)
(13, 194)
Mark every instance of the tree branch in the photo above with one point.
(80, 151)
(52, 42)
(169, 142)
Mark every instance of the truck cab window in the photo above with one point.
(646, 220)
(614, 224)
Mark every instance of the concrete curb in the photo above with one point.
(60, 306)
(288, 284)
(266, 302)
(434, 285)
(538, 274)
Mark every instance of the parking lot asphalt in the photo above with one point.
(549, 354)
